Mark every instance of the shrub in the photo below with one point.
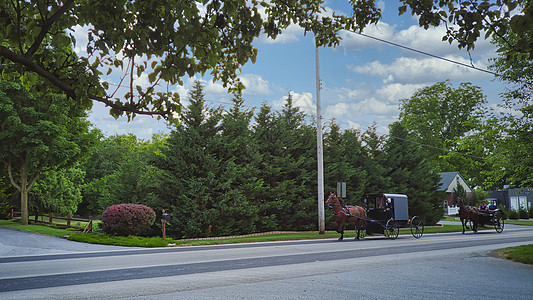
(504, 211)
(127, 219)
(513, 214)
(523, 214)
(531, 212)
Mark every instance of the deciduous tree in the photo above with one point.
(438, 116)
(166, 39)
(38, 136)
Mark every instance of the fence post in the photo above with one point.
(12, 214)
(90, 224)
(68, 219)
(36, 216)
(50, 218)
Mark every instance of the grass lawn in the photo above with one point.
(520, 222)
(522, 254)
(38, 228)
(134, 241)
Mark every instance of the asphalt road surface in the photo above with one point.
(437, 266)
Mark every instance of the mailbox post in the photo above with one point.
(164, 220)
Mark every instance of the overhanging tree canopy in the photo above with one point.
(169, 39)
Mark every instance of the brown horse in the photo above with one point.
(344, 214)
(468, 213)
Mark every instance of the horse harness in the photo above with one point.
(344, 212)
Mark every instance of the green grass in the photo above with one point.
(522, 254)
(524, 222)
(127, 241)
(133, 241)
(38, 228)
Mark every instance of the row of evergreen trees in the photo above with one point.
(233, 172)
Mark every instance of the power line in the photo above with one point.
(429, 146)
(426, 53)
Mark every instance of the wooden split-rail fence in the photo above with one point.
(39, 216)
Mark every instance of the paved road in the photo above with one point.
(438, 266)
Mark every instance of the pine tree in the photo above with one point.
(411, 174)
(374, 163)
(297, 163)
(240, 178)
(190, 164)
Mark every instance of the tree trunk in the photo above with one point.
(24, 213)
(24, 188)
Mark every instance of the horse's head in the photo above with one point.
(332, 200)
(460, 202)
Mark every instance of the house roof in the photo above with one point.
(447, 179)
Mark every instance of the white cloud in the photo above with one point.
(293, 33)
(361, 108)
(255, 85)
(304, 101)
(392, 93)
(142, 126)
(354, 42)
(427, 40)
(411, 70)
(80, 35)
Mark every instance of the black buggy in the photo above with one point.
(490, 218)
(387, 213)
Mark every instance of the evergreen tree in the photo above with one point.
(240, 181)
(288, 168)
(344, 158)
(374, 163)
(298, 167)
(411, 174)
(266, 135)
(355, 155)
(190, 164)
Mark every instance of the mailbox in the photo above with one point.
(165, 217)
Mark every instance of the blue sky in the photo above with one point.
(362, 79)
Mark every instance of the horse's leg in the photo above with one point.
(341, 231)
(357, 229)
(463, 225)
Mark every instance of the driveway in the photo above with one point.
(21, 243)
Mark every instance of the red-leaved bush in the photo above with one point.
(127, 219)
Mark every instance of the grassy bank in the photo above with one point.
(522, 254)
(134, 241)
(39, 228)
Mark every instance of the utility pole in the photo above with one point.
(319, 152)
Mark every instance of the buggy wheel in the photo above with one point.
(417, 228)
(392, 229)
(498, 221)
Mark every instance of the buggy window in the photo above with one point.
(370, 202)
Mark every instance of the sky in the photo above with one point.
(363, 80)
